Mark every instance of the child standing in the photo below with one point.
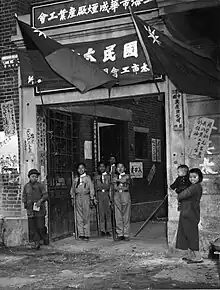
(122, 202)
(102, 186)
(34, 197)
(83, 192)
(182, 181)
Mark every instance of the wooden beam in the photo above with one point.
(98, 111)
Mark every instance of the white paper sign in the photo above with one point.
(8, 118)
(154, 149)
(29, 141)
(151, 174)
(199, 138)
(88, 150)
(136, 169)
(177, 103)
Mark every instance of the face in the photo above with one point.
(182, 172)
(112, 160)
(102, 168)
(81, 169)
(194, 178)
(120, 168)
(33, 178)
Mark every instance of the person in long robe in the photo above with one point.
(188, 231)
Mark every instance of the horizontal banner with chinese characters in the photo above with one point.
(78, 11)
(122, 57)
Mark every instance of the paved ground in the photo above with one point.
(101, 264)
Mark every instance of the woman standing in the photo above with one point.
(188, 232)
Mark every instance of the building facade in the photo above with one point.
(146, 129)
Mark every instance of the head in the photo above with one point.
(183, 170)
(195, 175)
(33, 175)
(120, 168)
(101, 167)
(81, 168)
(112, 160)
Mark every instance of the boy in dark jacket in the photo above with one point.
(182, 181)
(34, 197)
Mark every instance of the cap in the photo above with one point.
(33, 171)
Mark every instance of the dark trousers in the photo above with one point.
(36, 226)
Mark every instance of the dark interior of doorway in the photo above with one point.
(112, 136)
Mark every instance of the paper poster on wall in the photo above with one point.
(151, 174)
(154, 149)
(177, 103)
(136, 169)
(8, 118)
(158, 150)
(9, 153)
(29, 141)
(88, 150)
(199, 138)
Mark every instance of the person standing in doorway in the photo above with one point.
(122, 202)
(83, 193)
(188, 231)
(102, 186)
(111, 168)
(34, 197)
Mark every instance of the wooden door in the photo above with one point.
(62, 153)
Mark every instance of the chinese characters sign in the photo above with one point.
(136, 169)
(199, 139)
(8, 118)
(122, 57)
(156, 150)
(151, 174)
(78, 11)
(29, 141)
(177, 103)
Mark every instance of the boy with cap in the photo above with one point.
(34, 197)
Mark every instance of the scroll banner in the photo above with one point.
(122, 57)
(199, 138)
(80, 11)
(29, 142)
(8, 118)
(177, 102)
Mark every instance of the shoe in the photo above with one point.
(126, 239)
(102, 234)
(81, 237)
(108, 234)
(195, 261)
(86, 238)
(36, 246)
(119, 239)
(186, 259)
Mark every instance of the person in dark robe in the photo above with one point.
(188, 231)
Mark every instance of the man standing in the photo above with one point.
(102, 187)
(34, 197)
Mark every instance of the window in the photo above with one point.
(141, 145)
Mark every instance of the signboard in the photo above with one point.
(158, 150)
(121, 57)
(151, 174)
(177, 103)
(136, 169)
(29, 141)
(88, 150)
(81, 11)
(8, 118)
(154, 149)
(199, 138)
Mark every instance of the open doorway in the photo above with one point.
(111, 136)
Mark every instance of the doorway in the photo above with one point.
(111, 140)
